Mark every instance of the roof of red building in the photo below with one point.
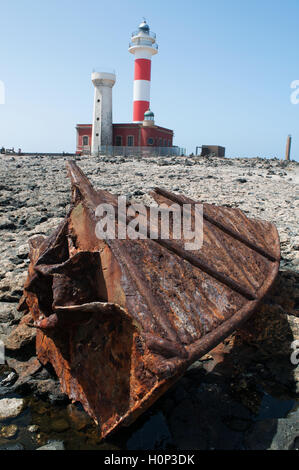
(130, 125)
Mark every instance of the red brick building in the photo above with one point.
(127, 135)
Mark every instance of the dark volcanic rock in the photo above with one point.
(274, 434)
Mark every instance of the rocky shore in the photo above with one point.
(240, 396)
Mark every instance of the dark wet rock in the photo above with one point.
(25, 370)
(59, 425)
(12, 447)
(49, 389)
(145, 438)
(33, 378)
(271, 434)
(204, 419)
(78, 417)
(237, 424)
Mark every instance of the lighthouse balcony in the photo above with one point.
(141, 43)
(147, 34)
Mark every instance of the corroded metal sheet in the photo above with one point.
(120, 319)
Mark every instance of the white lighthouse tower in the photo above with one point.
(143, 46)
(102, 110)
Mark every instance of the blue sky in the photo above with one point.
(222, 75)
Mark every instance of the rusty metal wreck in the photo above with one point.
(121, 320)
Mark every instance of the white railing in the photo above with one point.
(138, 151)
(142, 42)
(149, 33)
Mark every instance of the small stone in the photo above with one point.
(11, 407)
(52, 445)
(6, 312)
(33, 428)
(8, 432)
(295, 261)
(12, 377)
(23, 251)
(241, 180)
(284, 238)
(295, 243)
(24, 369)
(138, 192)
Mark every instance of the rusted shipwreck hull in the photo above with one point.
(121, 320)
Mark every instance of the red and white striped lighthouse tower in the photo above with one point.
(143, 46)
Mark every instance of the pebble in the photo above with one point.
(33, 428)
(8, 432)
(295, 243)
(11, 407)
(52, 445)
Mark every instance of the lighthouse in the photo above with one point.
(143, 136)
(102, 110)
(143, 46)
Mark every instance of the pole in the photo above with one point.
(288, 147)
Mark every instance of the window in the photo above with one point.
(165, 143)
(130, 141)
(150, 141)
(160, 142)
(169, 143)
(85, 140)
(118, 140)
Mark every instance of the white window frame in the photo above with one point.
(121, 140)
(128, 141)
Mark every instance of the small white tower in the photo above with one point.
(102, 110)
(143, 46)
